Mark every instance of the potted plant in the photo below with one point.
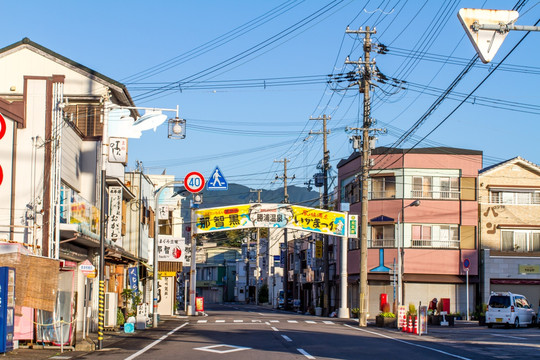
(385, 317)
(481, 309)
(355, 312)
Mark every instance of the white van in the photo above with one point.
(505, 308)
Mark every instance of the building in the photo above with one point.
(435, 237)
(509, 217)
(51, 158)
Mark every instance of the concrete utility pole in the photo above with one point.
(364, 85)
(286, 245)
(326, 166)
(257, 272)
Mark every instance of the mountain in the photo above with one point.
(239, 194)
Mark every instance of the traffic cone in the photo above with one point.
(416, 325)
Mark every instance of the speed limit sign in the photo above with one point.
(194, 182)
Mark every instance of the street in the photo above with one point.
(252, 332)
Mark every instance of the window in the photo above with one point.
(383, 187)
(351, 192)
(422, 187)
(435, 236)
(520, 240)
(449, 188)
(382, 236)
(86, 117)
(525, 197)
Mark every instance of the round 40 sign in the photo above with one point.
(194, 182)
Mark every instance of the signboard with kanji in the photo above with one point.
(114, 220)
(171, 249)
(270, 215)
(118, 150)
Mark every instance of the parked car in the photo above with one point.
(506, 308)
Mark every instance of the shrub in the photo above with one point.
(412, 309)
(387, 314)
(120, 320)
(355, 312)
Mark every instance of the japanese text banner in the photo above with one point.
(270, 215)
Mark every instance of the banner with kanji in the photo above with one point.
(270, 215)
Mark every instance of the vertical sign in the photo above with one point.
(171, 249)
(133, 273)
(118, 150)
(319, 249)
(353, 226)
(115, 213)
(309, 257)
(163, 212)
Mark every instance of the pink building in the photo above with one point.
(437, 236)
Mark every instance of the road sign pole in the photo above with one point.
(467, 284)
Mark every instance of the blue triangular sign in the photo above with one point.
(216, 181)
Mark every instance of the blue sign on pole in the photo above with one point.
(133, 273)
(216, 181)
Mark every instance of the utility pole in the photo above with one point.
(257, 272)
(326, 260)
(364, 86)
(286, 245)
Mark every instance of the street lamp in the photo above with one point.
(399, 249)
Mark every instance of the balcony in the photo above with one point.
(374, 195)
(439, 244)
(382, 243)
(78, 213)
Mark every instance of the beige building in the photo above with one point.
(509, 216)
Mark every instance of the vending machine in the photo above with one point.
(7, 308)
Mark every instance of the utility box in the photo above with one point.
(446, 305)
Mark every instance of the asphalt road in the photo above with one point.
(249, 332)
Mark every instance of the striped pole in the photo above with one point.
(101, 313)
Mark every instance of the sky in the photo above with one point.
(247, 77)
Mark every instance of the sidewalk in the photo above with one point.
(85, 346)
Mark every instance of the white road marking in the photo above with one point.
(145, 349)
(508, 336)
(286, 337)
(255, 321)
(311, 322)
(202, 321)
(275, 329)
(328, 322)
(232, 348)
(408, 342)
(220, 321)
(61, 357)
(267, 323)
(305, 353)
(261, 314)
(238, 321)
(274, 321)
(292, 321)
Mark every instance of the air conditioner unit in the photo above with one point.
(111, 304)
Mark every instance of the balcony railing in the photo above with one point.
(382, 195)
(382, 243)
(74, 209)
(422, 194)
(440, 244)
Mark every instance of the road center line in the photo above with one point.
(145, 349)
(305, 353)
(286, 337)
(408, 343)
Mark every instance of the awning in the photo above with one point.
(126, 193)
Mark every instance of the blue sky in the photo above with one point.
(204, 53)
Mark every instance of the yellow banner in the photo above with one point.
(270, 215)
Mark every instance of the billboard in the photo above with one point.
(270, 215)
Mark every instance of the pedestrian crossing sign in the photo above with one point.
(216, 181)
